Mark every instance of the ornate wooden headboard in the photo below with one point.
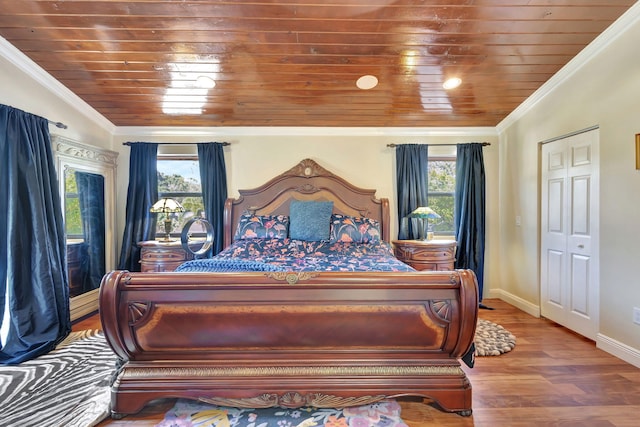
(306, 181)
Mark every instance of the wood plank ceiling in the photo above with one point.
(296, 62)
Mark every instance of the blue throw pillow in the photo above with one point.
(310, 220)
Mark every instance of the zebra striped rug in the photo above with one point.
(68, 387)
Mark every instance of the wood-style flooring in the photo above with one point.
(552, 378)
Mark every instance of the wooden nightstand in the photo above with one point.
(426, 254)
(158, 256)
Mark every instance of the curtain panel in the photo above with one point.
(412, 169)
(469, 211)
(213, 178)
(34, 285)
(142, 193)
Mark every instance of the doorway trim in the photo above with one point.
(593, 244)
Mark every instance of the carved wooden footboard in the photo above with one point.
(285, 339)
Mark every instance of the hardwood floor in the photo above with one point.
(552, 378)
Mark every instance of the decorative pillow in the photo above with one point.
(309, 220)
(351, 229)
(262, 227)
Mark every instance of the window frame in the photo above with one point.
(442, 158)
(176, 231)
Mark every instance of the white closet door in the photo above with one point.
(569, 284)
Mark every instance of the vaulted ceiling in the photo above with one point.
(296, 62)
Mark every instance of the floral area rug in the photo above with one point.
(188, 413)
(492, 339)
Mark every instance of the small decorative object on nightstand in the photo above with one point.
(197, 248)
(426, 254)
(160, 255)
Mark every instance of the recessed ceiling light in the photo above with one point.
(409, 58)
(367, 82)
(452, 83)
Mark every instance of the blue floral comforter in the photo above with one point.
(299, 255)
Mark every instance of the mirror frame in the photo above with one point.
(74, 155)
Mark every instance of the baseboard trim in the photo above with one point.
(616, 348)
(84, 304)
(516, 301)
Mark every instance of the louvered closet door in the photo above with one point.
(569, 276)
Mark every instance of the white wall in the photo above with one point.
(25, 86)
(361, 156)
(604, 92)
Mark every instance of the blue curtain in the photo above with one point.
(140, 224)
(33, 271)
(411, 179)
(91, 198)
(213, 177)
(469, 211)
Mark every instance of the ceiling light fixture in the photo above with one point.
(452, 83)
(409, 58)
(205, 82)
(189, 87)
(367, 82)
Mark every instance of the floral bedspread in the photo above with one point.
(299, 255)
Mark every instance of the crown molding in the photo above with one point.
(600, 43)
(302, 131)
(33, 70)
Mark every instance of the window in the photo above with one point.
(441, 190)
(179, 179)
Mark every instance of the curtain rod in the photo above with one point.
(58, 124)
(442, 145)
(176, 143)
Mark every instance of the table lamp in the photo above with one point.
(425, 213)
(167, 206)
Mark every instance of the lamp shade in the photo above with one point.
(166, 205)
(424, 212)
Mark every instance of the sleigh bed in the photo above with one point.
(262, 332)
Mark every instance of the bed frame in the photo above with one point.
(323, 339)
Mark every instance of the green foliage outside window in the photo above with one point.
(73, 221)
(441, 185)
(183, 186)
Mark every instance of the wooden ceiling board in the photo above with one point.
(296, 62)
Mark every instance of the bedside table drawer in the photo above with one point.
(435, 255)
(159, 256)
(162, 255)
